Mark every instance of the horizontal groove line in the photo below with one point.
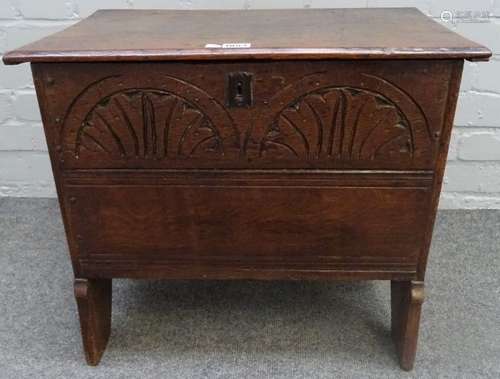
(115, 264)
(260, 269)
(130, 258)
(137, 266)
(250, 186)
(102, 171)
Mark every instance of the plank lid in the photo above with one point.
(164, 35)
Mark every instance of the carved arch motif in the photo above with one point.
(173, 120)
(364, 119)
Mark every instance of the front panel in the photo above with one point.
(184, 169)
(367, 115)
(256, 220)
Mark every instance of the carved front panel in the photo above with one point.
(366, 115)
(365, 119)
(147, 124)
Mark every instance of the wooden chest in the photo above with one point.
(287, 144)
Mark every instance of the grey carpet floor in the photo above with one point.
(247, 329)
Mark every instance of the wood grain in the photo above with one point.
(93, 297)
(324, 114)
(406, 302)
(148, 35)
(313, 224)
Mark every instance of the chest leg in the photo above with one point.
(93, 297)
(406, 302)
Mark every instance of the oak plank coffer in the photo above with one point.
(283, 144)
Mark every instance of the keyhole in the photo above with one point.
(239, 89)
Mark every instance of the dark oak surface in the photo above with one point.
(93, 298)
(302, 168)
(324, 114)
(406, 303)
(137, 35)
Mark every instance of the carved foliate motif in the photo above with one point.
(135, 118)
(366, 119)
(340, 123)
(147, 124)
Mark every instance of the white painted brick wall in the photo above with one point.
(480, 146)
(59, 9)
(472, 178)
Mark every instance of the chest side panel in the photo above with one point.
(383, 115)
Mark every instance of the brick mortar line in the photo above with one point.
(77, 17)
(472, 193)
(474, 163)
(476, 129)
(475, 91)
(35, 21)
